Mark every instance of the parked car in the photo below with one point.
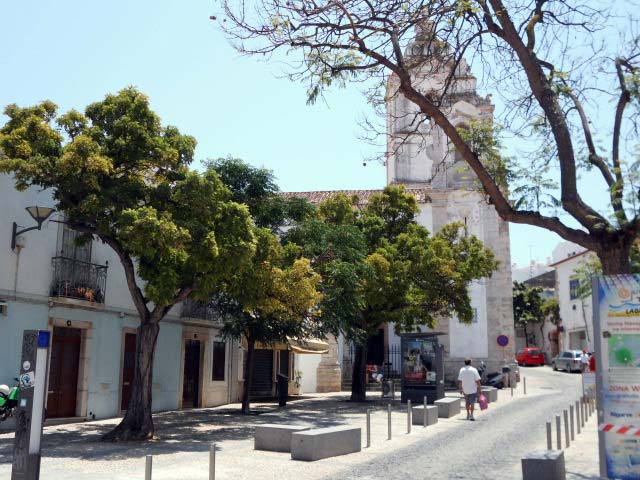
(568, 360)
(530, 356)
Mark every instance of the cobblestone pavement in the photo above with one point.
(454, 448)
(492, 447)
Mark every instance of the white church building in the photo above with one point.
(420, 157)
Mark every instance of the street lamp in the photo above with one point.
(39, 214)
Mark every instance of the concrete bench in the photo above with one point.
(448, 407)
(311, 445)
(417, 415)
(491, 393)
(547, 464)
(274, 437)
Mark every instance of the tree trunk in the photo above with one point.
(359, 376)
(615, 257)
(137, 424)
(248, 375)
(526, 336)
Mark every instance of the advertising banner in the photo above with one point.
(616, 301)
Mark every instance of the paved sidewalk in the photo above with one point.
(581, 458)
(183, 438)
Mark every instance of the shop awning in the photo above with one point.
(308, 346)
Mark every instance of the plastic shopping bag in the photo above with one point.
(484, 404)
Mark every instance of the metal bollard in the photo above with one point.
(558, 433)
(212, 462)
(408, 416)
(368, 428)
(524, 385)
(573, 437)
(424, 412)
(581, 413)
(147, 468)
(565, 415)
(549, 443)
(512, 391)
(389, 422)
(578, 416)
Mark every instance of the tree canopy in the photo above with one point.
(118, 175)
(566, 75)
(379, 266)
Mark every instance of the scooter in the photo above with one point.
(494, 379)
(8, 400)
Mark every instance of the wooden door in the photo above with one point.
(128, 368)
(262, 381)
(191, 382)
(63, 372)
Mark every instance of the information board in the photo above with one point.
(616, 301)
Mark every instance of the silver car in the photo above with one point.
(568, 360)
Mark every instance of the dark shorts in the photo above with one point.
(471, 398)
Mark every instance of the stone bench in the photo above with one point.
(448, 407)
(417, 415)
(547, 464)
(274, 437)
(491, 393)
(311, 445)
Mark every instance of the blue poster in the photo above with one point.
(617, 329)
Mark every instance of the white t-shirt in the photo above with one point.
(584, 358)
(468, 376)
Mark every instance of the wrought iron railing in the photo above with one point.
(200, 310)
(77, 279)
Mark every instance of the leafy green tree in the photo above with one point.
(119, 176)
(379, 266)
(257, 188)
(527, 307)
(567, 73)
(269, 300)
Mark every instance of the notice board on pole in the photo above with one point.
(616, 301)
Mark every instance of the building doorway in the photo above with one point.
(375, 348)
(262, 381)
(128, 368)
(63, 372)
(191, 382)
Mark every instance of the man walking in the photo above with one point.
(469, 386)
(584, 361)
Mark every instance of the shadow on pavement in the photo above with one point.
(186, 430)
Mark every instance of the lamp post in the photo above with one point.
(39, 214)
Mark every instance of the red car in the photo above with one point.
(530, 356)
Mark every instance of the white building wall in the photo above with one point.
(25, 279)
(576, 314)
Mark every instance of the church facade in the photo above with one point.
(420, 157)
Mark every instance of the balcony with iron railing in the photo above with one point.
(198, 310)
(78, 280)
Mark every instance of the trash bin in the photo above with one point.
(283, 389)
(506, 374)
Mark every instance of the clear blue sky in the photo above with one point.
(73, 52)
